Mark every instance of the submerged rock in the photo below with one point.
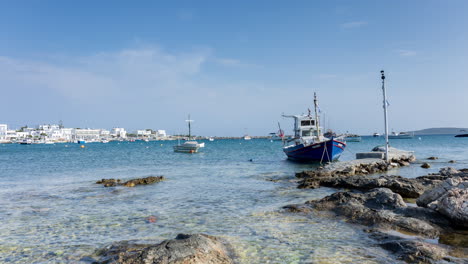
(414, 250)
(432, 158)
(426, 165)
(184, 249)
(131, 183)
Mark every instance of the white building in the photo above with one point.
(87, 134)
(161, 133)
(143, 133)
(119, 132)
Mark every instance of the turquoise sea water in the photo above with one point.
(52, 211)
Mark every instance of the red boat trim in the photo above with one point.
(338, 146)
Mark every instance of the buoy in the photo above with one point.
(82, 146)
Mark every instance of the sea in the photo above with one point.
(52, 210)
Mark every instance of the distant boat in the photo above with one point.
(401, 135)
(462, 135)
(376, 135)
(25, 142)
(247, 137)
(211, 139)
(81, 141)
(190, 146)
(278, 135)
(352, 138)
(104, 141)
(309, 144)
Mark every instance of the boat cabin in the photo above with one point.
(305, 127)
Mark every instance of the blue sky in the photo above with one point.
(235, 66)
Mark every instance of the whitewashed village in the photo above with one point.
(50, 134)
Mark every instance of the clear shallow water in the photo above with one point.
(52, 211)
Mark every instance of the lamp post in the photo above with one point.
(385, 115)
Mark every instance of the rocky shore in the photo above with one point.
(433, 230)
(184, 249)
(131, 183)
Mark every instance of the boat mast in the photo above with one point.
(385, 115)
(316, 115)
(189, 132)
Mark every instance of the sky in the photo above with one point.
(234, 66)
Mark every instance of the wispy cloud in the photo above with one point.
(353, 24)
(406, 53)
(131, 86)
(235, 63)
(326, 76)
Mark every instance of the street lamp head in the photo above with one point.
(383, 76)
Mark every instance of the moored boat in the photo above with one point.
(278, 135)
(462, 135)
(190, 146)
(309, 144)
(25, 142)
(401, 135)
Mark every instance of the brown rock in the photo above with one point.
(425, 165)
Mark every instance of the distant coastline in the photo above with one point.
(441, 131)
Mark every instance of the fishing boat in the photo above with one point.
(211, 139)
(189, 146)
(401, 135)
(376, 135)
(309, 144)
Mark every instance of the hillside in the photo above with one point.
(441, 131)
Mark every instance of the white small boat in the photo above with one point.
(401, 135)
(25, 142)
(376, 135)
(247, 137)
(190, 146)
(211, 139)
(104, 141)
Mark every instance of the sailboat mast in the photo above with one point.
(385, 115)
(316, 116)
(189, 132)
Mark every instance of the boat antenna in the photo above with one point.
(385, 114)
(316, 115)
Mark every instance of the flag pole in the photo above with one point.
(385, 115)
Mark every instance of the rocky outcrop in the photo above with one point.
(408, 188)
(397, 158)
(450, 198)
(184, 249)
(441, 214)
(380, 208)
(131, 183)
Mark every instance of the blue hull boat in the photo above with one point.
(309, 144)
(325, 151)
